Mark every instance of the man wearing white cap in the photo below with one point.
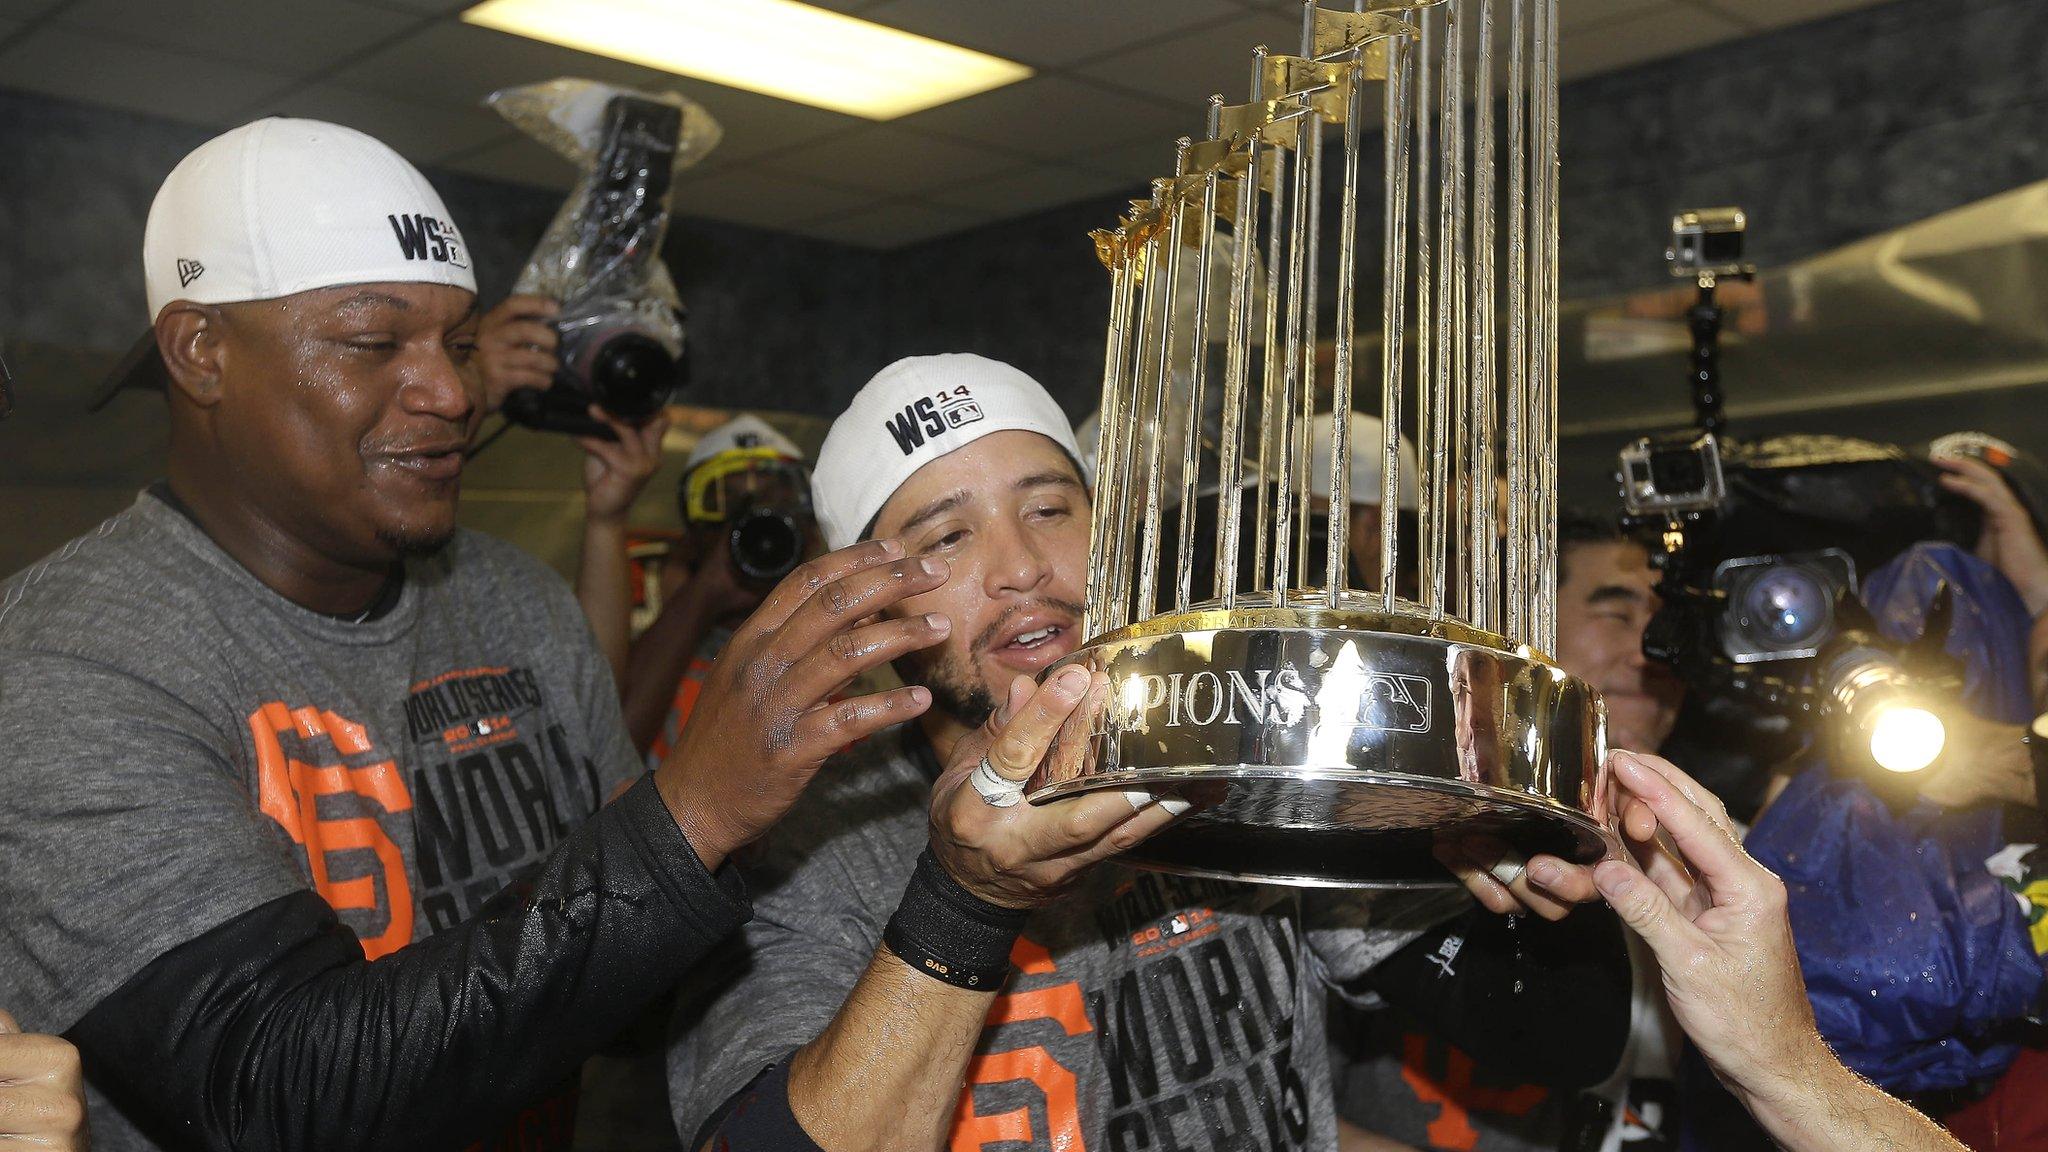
(935, 963)
(279, 737)
(741, 466)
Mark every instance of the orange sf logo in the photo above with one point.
(288, 790)
(1061, 1004)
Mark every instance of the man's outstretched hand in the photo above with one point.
(766, 720)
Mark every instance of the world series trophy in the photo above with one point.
(1337, 730)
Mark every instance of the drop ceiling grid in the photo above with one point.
(824, 178)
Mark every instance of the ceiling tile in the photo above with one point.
(755, 124)
(1781, 13)
(1033, 189)
(1047, 33)
(286, 37)
(1638, 39)
(454, 62)
(1186, 69)
(1053, 118)
(423, 133)
(893, 225)
(518, 160)
(60, 62)
(764, 199)
(888, 159)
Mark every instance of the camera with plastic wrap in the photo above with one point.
(620, 320)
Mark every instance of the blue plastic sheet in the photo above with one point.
(1912, 952)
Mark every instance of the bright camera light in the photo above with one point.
(1906, 738)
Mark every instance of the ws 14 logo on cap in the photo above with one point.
(932, 416)
(422, 237)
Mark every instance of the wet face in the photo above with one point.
(1009, 515)
(343, 414)
(1603, 606)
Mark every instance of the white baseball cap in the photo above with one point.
(277, 207)
(913, 412)
(743, 431)
(1368, 454)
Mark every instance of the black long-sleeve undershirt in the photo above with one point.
(272, 1033)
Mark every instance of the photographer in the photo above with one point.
(515, 349)
(739, 469)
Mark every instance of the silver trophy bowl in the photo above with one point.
(1337, 748)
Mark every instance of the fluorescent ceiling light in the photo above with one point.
(775, 47)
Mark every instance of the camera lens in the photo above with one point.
(767, 544)
(1677, 472)
(632, 375)
(1785, 607)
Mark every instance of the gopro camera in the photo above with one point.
(1667, 475)
(1707, 242)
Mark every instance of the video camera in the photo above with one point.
(1761, 546)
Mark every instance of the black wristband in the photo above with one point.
(949, 933)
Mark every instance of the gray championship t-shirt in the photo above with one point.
(180, 744)
(1145, 1011)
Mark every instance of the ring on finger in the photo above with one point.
(997, 791)
(1509, 868)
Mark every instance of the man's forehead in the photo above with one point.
(427, 301)
(1606, 562)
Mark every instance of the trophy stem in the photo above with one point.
(1400, 90)
(1518, 455)
(1161, 378)
(1108, 430)
(1485, 531)
(1429, 545)
(1338, 555)
(1198, 366)
(1230, 460)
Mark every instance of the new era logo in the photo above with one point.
(188, 271)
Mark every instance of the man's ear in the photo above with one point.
(188, 336)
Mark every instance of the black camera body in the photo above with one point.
(766, 540)
(1761, 547)
(612, 353)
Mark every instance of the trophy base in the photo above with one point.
(1338, 829)
(1336, 748)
